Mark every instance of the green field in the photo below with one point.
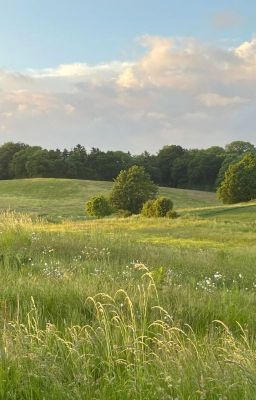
(62, 198)
(132, 308)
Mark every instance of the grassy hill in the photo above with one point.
(57, 198)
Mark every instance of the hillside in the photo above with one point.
(56, 198)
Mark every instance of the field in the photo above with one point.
(65, 198)
(125, 308)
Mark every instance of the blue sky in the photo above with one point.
(36, 33)
(129, 75)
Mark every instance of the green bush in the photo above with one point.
(148, 209)
(162, 205)
(172, 214)
(98, 206)
(157, 208)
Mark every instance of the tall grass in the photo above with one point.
(95, 313)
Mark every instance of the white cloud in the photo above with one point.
(216, 100)
(180, 91)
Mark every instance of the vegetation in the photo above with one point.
(129, 308)
(157, 208)
(57, 199)
(148, 209)
(172, 166)
(172, 214)
(239, 183)
(98, 206)
(132, 188)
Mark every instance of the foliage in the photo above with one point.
(172, 214)
(240, 147)
(162, 206)
(172, 166)
(148, 209)
(98, 206)
(123, 214)
(239, 183)
(157, 208)
(131, 189)
(7, 152)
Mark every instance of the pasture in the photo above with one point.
(58, 199)
(128, 308)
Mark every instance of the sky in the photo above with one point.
(127, 75)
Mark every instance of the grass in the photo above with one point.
(130, 308)
(65, 198)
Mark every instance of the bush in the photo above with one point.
(148, 209)
(161, 206)
(98, 206)
(131, 189)
(172, 214)
(157, 208)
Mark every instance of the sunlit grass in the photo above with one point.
(127, 308)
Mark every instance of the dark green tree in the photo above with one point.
(203, 169)
(20, 159)
(7, 152)
(239, 183)
(165, 159)
(131, 189)
(240, 147)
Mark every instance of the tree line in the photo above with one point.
(172, 166)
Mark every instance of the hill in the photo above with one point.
(65, 198)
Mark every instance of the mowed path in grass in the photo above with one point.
(65, 198)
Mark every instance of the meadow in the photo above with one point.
(125, 308)
(58, 199)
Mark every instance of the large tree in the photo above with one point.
(239, 183)
(240, 147)
(132, 188)
(7, 152)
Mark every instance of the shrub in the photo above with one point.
(172, 214)
(131, 189)
(148, 209)
(157, 208)
(162, 205)
(98, 206)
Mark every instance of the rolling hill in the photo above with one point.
(65, 198)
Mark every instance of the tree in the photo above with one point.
(7, 152)
(203, 169)
(240, 147)
(166, 158)
(239, 183)
(98, 206)
(131, 189)
(18, 165)
(38, 164)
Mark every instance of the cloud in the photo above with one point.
(179, 91)
(216, 100)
